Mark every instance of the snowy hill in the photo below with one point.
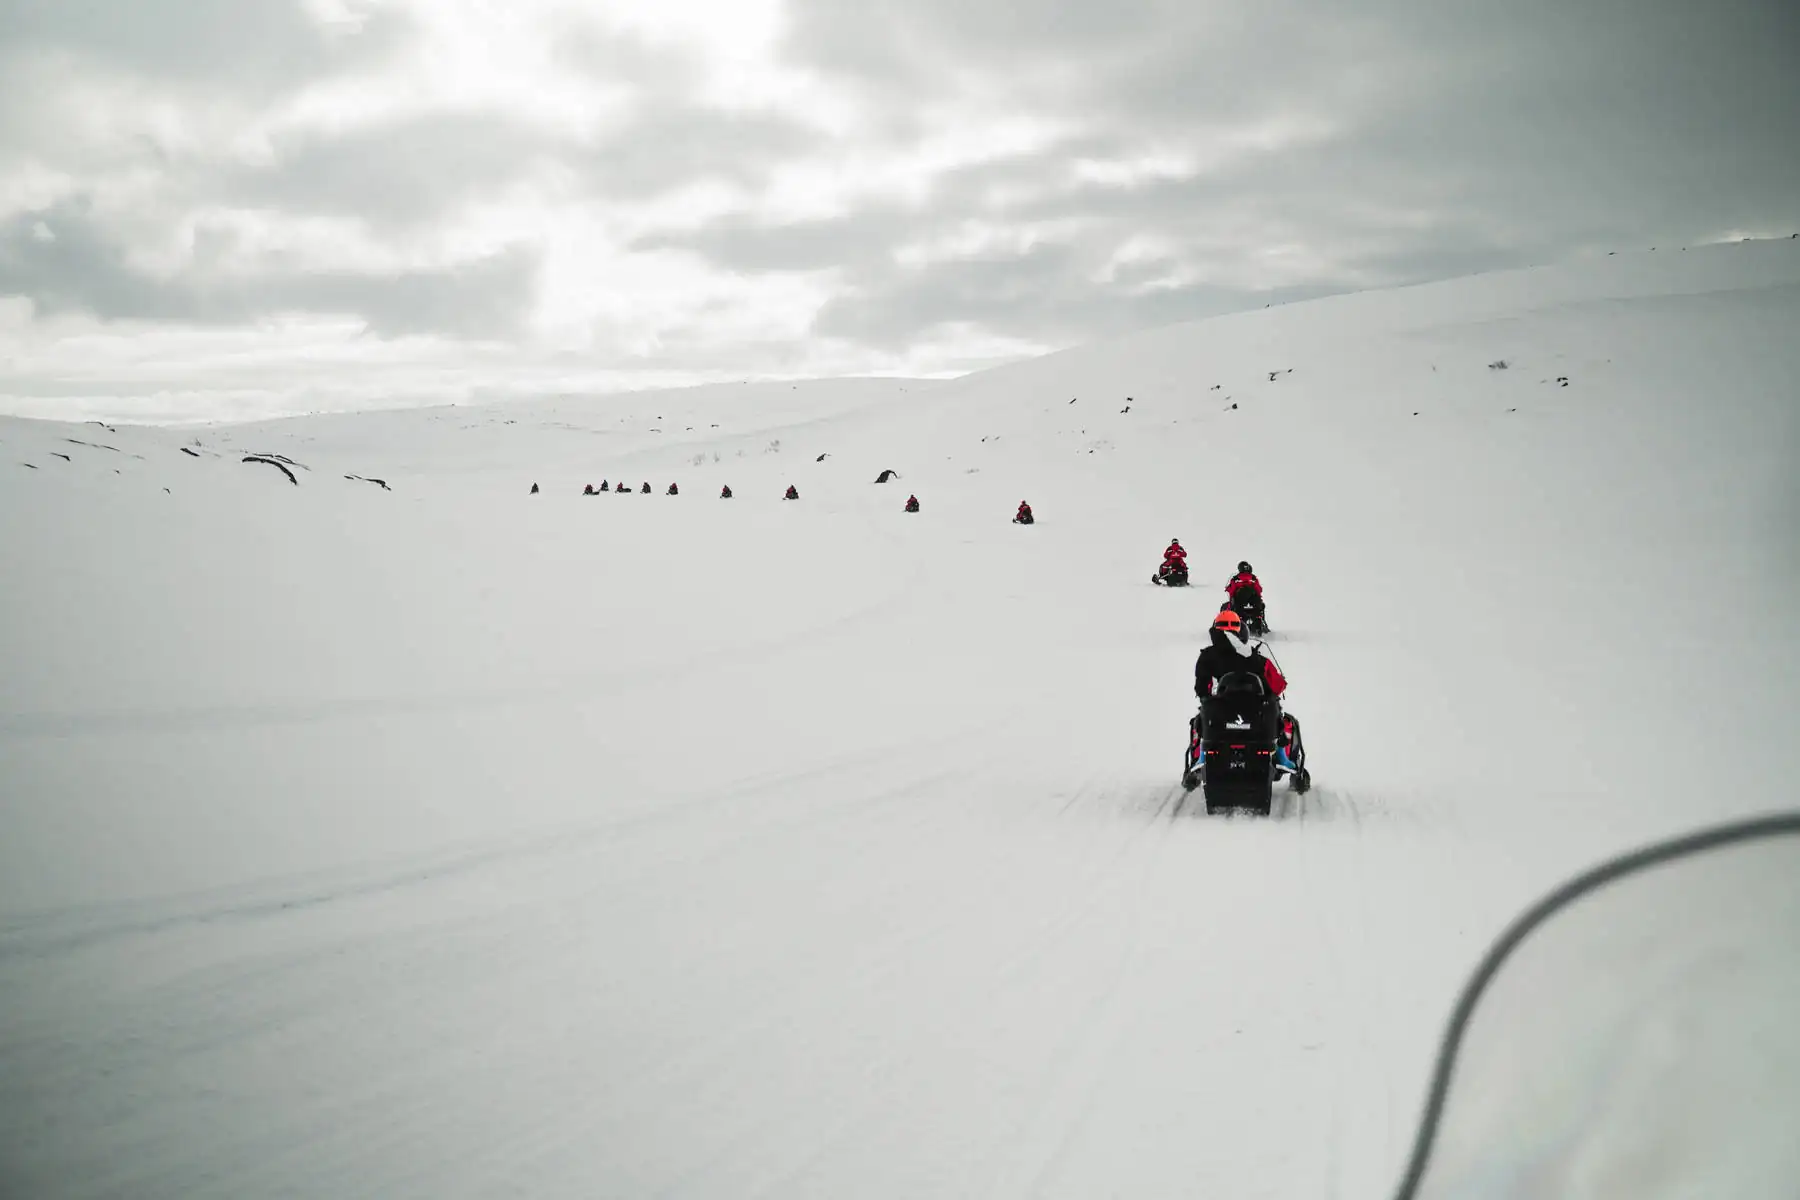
(429, 837)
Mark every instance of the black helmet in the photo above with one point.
(1244, 569)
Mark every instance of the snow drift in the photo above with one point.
(443, 839)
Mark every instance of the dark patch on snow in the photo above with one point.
(383, 482)
(821, 458)
(190, 453)
(62, 456)
(263, 458)
(886, 475)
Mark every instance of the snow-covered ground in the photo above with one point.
(452, 841)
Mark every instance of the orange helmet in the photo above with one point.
(1229, 621)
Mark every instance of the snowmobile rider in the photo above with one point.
(673, 491)
(725, 492)
(912, 504)
(793, 493)
(1230, 650)
(1023, 516)
(1245, 577)
(1174, 559)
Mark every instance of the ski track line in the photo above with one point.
(1344, 1029)
(1047, 934)
(686, 1073)
(1067, 1102)
(1100, 1026)
(36, 935)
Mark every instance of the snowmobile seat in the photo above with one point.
(1240, 683)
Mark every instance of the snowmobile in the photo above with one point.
(646, 488)
(1024, 517)
(1247, 745)
(673, 491)
(792, 493)
(725, 492)
(1173, 573)
(1249, 606)
(912, 504)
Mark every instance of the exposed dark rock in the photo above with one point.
(190, 453)
(263, 458)
(62, 456)
(366, 479)
(886, 475)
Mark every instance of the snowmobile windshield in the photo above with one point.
(1632, 1035)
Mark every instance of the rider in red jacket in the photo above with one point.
(1244, 578)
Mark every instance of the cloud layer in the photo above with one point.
(390, 202)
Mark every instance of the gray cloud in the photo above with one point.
(64, 260)
(258, 45)
(404, 173)
(1450, 142)
(1331, 147)
(666, 147)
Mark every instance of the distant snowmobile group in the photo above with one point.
(1240, 742)
(624, 489)
(1022, 517)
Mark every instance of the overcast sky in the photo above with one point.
(241, 207)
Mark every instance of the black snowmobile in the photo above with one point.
(1171, 574)
(1249, 607)
(1240, 744)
